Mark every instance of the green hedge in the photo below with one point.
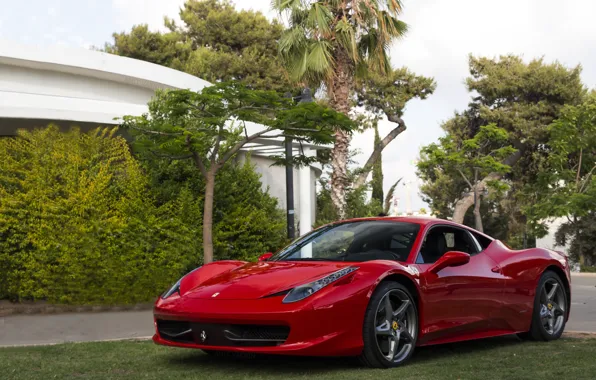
(77, 224)
(82, 221)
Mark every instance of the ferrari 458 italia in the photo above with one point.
(369, 288)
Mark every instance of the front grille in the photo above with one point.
(176, 331)
(214, 334)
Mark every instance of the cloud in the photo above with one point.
(151, 12)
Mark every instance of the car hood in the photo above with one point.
(256, 280)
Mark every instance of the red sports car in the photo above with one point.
(372, 288)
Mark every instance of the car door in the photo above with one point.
(458, 302)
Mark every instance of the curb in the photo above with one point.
(139, 338)
(583, 274)
(33, 309)
(580, 332)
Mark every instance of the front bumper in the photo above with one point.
(329, 325)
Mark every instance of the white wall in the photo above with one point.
(273, 179)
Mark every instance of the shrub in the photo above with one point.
(246, 219)
(77, 224)
(82, 222)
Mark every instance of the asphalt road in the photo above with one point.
(583, 304)
(77, 327)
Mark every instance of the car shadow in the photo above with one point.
(445, 350)
(319, 365)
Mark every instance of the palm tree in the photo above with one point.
(328, 43)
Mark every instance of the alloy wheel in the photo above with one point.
(552, 306)
(395, 325)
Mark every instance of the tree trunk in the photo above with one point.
(339, 88)
(464, 203)
(477, 216)
(376, 154)
(582, 258)
(208, 218)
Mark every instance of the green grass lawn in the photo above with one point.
(499, 358)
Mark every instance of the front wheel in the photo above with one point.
(550, 305)
(390, 327)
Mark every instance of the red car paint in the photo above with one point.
(490, 295)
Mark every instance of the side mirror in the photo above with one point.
(450, 259)
(265, 256)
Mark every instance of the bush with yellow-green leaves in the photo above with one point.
(78, 223)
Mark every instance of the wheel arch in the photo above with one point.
(410, 284)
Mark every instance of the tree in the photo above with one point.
(210, 128)
(523, 99)
(246, 218)
(215, 42)
(582, 246)
(386, 96)
(165, 49)
(566, 187)
(389, 196)
(470, 158)
(327, 43)
(377, 179)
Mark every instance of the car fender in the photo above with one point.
(207, 271)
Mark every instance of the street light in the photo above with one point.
(305, 97)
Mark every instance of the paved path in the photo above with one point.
(74, 327)
(78, 327)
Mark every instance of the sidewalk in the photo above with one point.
(74, 327)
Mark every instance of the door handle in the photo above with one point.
(496, 269)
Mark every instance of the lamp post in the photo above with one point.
(289, 184)
(305, 97)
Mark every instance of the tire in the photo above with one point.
(550, 309)
(378, 332)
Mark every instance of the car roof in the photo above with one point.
(422, 220)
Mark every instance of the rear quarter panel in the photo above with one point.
(522, 270)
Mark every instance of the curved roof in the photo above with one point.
(92, 63)
(79, 85)
(39, 85)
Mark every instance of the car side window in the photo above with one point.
(482, 240)
(442, 239)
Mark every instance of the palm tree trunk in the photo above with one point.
(339, 88)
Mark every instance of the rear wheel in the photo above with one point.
(550, 305)
(390, 327)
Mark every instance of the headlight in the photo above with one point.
(303, 291)
(174, 289)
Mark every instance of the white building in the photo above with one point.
(67, 87)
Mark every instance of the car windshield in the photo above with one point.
(353, 241)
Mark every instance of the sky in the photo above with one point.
(442, 34)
